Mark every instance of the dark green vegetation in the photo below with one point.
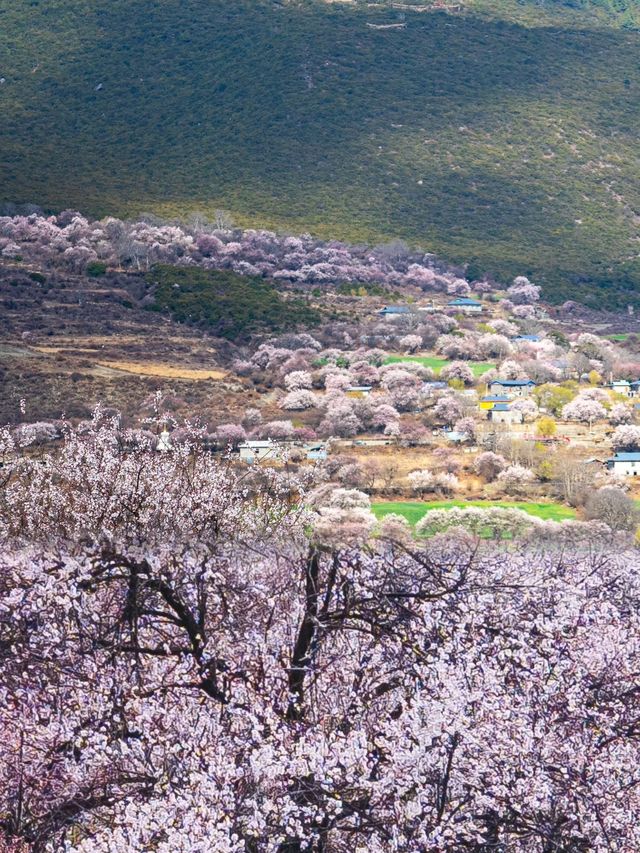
(507, 136)
(232, 306)
(347, 288)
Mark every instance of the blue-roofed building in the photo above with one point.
(502, 413)
(627, 464)
(626, 388)
(512, 387)
(391, 310)
(466, 305)
(489, 400)
(533, 339)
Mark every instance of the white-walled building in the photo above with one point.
(512, 387)
(256, 451)
(502, 413)
(625, 464)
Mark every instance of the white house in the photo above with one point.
(626, 464)
(627, 389)
(256, 451)
(465, 305)
(512, 387)
(502, 413)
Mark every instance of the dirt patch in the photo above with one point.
(164, 371)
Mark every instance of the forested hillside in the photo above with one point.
(505, 135)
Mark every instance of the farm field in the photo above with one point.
(165, 371)
(436, 364)
(413, 511)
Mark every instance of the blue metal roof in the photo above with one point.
(528, 338)
(395, 309)
(495, 398)
(627, 457)
(464, 300)
(512, 383)
(501, 407)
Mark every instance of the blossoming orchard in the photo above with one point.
(197, 657)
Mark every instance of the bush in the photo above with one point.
(95, 269)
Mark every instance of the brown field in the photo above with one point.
(163, 371)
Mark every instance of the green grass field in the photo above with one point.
(432, 361)
(506, 137)
(621, 337)
(413, 511)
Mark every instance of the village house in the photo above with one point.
(627, 389)
(490, 400)
(511, 387)
(625, 464)
(502, 413)
(256, 451)
(465, 305)
(392, 310)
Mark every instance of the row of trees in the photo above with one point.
(73, 242)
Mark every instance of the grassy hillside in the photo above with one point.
(512, 144)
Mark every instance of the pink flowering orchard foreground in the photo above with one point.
(190, 664)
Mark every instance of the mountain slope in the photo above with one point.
(514, 147)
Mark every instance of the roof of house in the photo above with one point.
(512, 383)
(465, 300)
(394, 309)
(359, 388)
(501, 407)
(527, 338)
(626, 457)
(255, 445)
(456, 436)
(494, 398)
(621, 382)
